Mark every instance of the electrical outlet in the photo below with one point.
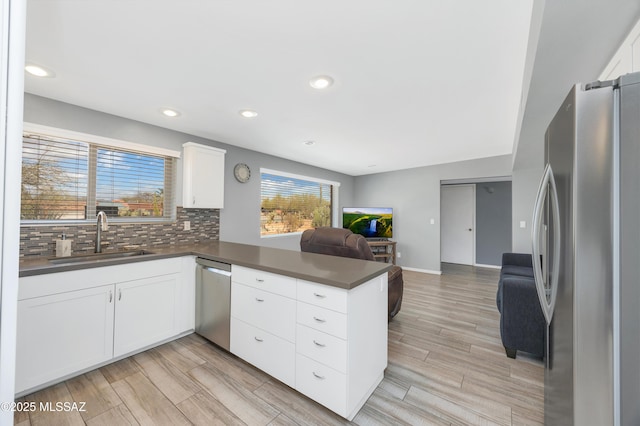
(187, 225)
(433, 221)
(523, 224)
(399, 255)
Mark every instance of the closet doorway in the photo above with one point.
(457, 217)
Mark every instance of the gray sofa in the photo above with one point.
(522, 324)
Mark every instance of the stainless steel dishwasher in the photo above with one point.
(213, 301)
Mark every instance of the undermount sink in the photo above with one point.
(98, 256)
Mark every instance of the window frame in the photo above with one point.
(97, 142)
(334, 198)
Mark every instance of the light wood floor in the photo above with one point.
(446, 367)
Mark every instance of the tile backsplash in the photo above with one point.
(40, 240)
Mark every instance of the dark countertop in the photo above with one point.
(335, 271)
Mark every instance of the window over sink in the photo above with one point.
(68, 176)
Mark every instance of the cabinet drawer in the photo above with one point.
(322, 384)
(321, 347)
(269, 353)
(322, 295)
(326, 320)
(267, 311)
(274, 283)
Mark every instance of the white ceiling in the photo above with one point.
(417, 82)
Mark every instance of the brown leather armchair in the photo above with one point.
(342, 242)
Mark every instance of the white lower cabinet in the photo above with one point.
(63, 333)
(328, 343)
(270, 353)
(71, 321)
(263, 321)
(145, 312)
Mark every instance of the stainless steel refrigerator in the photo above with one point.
(586, 247)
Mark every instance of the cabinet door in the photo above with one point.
(63, 333)
(203, 177)
(145, 312)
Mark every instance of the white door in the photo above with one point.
(457, 217)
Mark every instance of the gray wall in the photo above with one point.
(240, 217)
(493, 221)
(414, 195)
(561, 60)
(524, 189)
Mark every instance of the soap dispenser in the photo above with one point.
(63, 246)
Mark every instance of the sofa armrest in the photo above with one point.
(522, 321)
(520, 297)
(517, 259)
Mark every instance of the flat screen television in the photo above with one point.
(373, 222)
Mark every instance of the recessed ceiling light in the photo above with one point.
(321, 82)
(309, 143)
(38, 71)
(170, 112)
(247, 113)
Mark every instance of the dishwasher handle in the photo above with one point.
(214, 266)
(216, 271)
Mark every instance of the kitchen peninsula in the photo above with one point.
(317, 323)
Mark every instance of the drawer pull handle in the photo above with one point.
(259, 300)
(321, 345)
(258, 339)
(260, 280)
(319, 319)
(317, 376)
(320, 296)
(110, 296)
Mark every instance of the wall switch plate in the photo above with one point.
(399, 255)
(523, 224)
(433, 221)
(187, 225)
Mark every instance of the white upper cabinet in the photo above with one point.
(203, 177)
(626, 59)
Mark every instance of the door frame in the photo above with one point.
(12, 41)
(473, 219)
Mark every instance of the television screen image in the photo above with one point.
(369, 222)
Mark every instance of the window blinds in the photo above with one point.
(73, 180)
(292, 205)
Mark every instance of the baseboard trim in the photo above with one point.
(426, 271)
(480, 265)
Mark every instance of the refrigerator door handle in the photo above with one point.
(547, 188)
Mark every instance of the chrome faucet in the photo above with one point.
(101, 225)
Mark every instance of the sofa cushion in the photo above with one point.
(515, 270)
(500, 285)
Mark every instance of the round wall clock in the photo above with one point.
(242, 172)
